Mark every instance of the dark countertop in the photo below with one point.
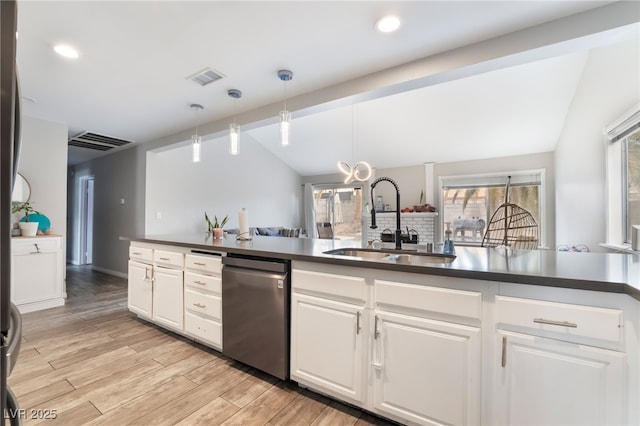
(608, 272)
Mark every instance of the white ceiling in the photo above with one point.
(130, 80)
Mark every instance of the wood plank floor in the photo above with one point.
(95, 363)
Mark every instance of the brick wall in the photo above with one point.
(424, 223)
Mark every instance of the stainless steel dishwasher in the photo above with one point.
(255, 312)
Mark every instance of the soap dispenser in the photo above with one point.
(448, 243)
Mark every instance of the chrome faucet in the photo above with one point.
(373, 210)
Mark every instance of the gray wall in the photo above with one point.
(116, 176)
(182, 191)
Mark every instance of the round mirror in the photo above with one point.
(21, 190)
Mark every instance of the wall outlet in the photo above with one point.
(158, 215)
(121, 201)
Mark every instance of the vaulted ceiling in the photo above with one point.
(131, 79)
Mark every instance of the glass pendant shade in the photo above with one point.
(285, 123)
(234, 139)
(196, 141)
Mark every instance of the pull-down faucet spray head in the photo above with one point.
(373, 210)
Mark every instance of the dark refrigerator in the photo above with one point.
(10, 320)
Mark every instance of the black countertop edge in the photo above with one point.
(440, 270)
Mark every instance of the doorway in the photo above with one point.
(86, 220)
(338, 211)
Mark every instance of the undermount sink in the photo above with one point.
(396, 256)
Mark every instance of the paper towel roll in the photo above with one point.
(243, 220)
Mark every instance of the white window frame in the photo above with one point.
(616, 180)
(493, 178)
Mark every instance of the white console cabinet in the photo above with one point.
(37, 272)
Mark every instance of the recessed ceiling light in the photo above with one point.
(388, 24)
(66, 51)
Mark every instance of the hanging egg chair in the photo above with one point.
(511, 226)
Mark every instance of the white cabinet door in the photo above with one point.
(168, 298)
(426, 371)
(327, 346)
(140, 291)
(550, 382)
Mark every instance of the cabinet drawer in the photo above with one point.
(341, 286)
(203, 282)
(205, 304)
(212, 264)
(143, 254)
(34, 245)
(567, 319)
(168, 258)
(203, 328)
(426, 298)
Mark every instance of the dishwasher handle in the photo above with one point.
(260, 264)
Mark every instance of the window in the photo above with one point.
(469, 202)
(631, 196)
(623, 177)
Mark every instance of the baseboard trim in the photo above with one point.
(110, 272)
(41, 305)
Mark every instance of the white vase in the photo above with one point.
(28, 229)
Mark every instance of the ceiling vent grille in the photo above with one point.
(206, 76)
(96, 141)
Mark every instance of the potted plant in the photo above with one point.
(28, 229)
(216, 227)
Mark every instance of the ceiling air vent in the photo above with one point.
(95, 141)
(206, 76)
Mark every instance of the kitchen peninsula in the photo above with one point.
(489, 338)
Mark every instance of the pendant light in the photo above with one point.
(360, 171)
(196, 140)
(285, 116)
(234, 127)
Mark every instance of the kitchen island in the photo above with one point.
(608, 272)
(490, 338)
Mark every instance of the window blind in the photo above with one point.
(627, 123)
(517, 178)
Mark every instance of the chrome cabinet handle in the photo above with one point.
(165, 258)
(148, 274)
(503, 363)
(376, 333)
(37, 250)
(378, 356)
(137, 253)
(199, 305)
(199, 263)
(200, 282)
(358, 322)
(558, 323)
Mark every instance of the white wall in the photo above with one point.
(43, 162)
(221, 184)
(610, 85)
(410, 180)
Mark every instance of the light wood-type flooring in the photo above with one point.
(95, 363)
